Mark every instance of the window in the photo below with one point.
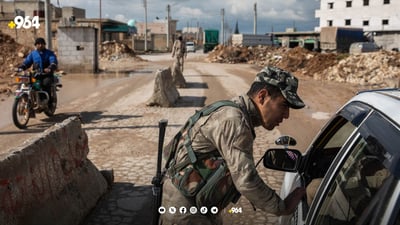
(330, 5)
(330, 23)
(366, 23)
(385, 22)
(366, 2)
(348, 4)
(359, 189)
(385, 2)
(347, 22)
(327, 146)
(361, 177)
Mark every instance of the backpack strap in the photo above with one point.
(185, 134)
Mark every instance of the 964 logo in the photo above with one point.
(235, 210)
(24, 22)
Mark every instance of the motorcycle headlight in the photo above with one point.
(22, 79)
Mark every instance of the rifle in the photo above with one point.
(157, 179)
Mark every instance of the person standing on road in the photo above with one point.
(211, 163)
(179, 52)
(44, 62)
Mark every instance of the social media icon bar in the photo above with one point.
(193, 210)
(161, 210)
(214, 210)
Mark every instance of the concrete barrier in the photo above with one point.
(49, 179)
(177, 76)
(165, 93)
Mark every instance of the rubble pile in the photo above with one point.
(381, 69)
(292, 59)
(12, 54)
(112, 51)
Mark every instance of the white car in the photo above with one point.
(190, 46)
(351, 169)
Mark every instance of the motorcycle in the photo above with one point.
(30, 98)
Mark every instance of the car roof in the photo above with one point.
(387, 101)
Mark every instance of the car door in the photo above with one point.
(318, 158)
(362, 185)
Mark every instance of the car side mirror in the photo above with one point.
(286, 141)
(287, 160)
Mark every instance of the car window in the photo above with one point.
(364, 181)
(331, 140)
(340, 137)
(327, 147)
(361, 176)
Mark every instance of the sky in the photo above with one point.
(272, 15)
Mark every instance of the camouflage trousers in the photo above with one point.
(173, 198)
(180, 60)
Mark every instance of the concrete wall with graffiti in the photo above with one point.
(49, 179)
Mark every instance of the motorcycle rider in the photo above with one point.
(44, 62)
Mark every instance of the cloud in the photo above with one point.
(190, 12)
(120, 17)
(207, 12)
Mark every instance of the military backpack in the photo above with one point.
(203, 177)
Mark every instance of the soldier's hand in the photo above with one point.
(47, 70)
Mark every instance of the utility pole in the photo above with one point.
(255, 19)
(197, 33)
(168, 21)
(272, 34)
(100, 22)
(222, 26)
(145, 25)
(47, 15)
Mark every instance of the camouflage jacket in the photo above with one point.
(230, 131)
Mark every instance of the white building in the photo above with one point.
(380, 19)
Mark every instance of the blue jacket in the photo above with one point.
(40, 60)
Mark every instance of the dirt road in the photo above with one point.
(96, 97)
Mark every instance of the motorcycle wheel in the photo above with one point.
(20, 111)
(53, 105)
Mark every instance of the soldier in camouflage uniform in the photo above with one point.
(228, 132)
(179, 52)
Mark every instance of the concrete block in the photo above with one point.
(49, 178)
(165, 93)
(177, 76)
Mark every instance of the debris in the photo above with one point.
(10, 58)
(379, 69)
(113, 51)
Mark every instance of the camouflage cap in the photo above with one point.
(285, 81)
